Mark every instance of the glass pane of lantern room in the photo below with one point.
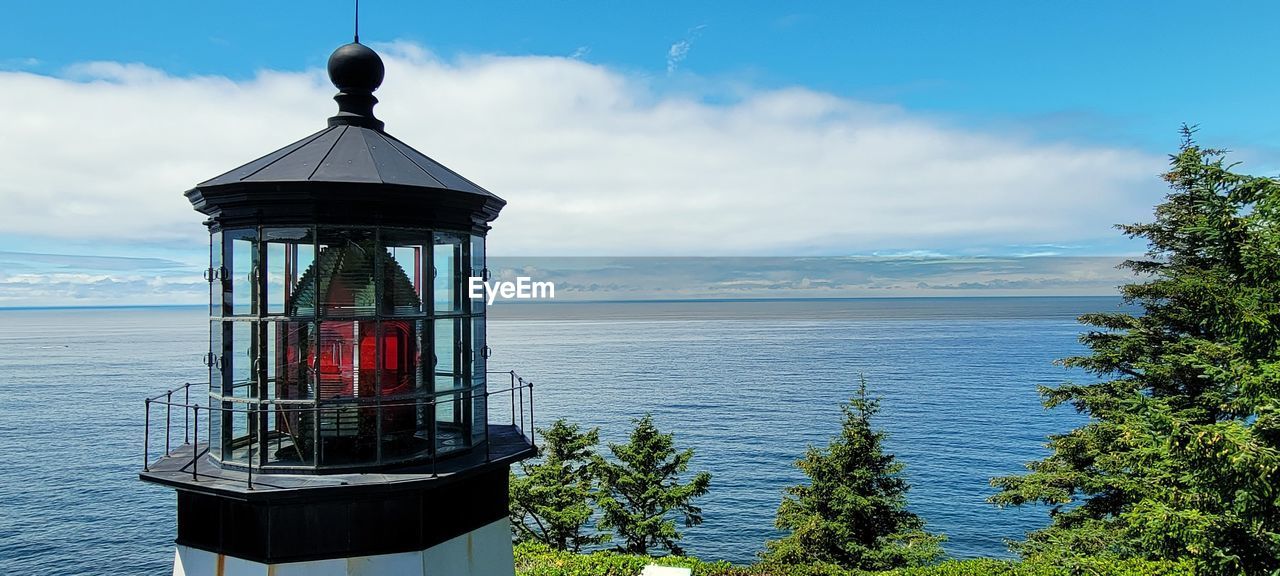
(447, 265)
(479, 412)
(290, 423)
(452, 421)
(338, 361)
(476, 350)
(292, 360)
(344, 267)
(240, 363)
(348, 434)
(215, 427)
(404, 258)
(399, 370)
(290, 253)
(347, 424)
(214, 274)
(240, 259)
(235, 417)
(452, 409)
(477, 271)
(400, 380)
(219, 344)
(447, 348)
(288, 438)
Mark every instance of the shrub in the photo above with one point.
(534, 559)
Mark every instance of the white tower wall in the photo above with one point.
(485, 551)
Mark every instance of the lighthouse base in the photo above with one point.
(485, 551)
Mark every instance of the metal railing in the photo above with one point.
(255, 409)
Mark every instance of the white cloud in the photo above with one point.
(591, 160)
(680, 50)
(18, 63)
(56, 289)
(676, 54)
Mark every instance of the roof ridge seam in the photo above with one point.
(320, 162)
(299, 146)
(372, 160)
(446, 168)
(389, 138)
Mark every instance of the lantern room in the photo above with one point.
(341, 335)
(344, 346)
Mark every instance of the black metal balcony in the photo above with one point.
(186, 461)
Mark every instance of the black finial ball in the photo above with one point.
(356, 68)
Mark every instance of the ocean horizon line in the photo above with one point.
(547, 302)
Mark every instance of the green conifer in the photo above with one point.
(1180, 458)
(853, 512)
(551, 500)
(641, 495)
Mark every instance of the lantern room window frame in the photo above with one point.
(263, 400)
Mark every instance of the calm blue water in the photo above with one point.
(746, 384)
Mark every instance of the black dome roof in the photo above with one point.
(352, 172)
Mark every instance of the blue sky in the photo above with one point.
(1113, 71)
(940, 129)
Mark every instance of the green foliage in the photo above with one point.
(533, 559)
(1180, 457)
(641, 492)
(853, 512)
(551, 500)
(537, 559)
(1041, 567)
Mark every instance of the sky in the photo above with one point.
(900, 131)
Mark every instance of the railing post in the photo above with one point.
(533, 430)
(195, 448)
(186, 421)
(168, 410)
(146, 438)
(521, 404)
(513, 397)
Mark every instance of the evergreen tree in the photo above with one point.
(853, 512)
(1180, 456)
(551, 500)
(641, 492)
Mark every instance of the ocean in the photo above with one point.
(748, 385)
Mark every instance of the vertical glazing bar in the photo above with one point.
(486, 414)
(290, 261)
(487, 455)
(435, 448)
(417, 269)
(146, 438)
(168, 409)
(315, 426)
(377, 411)
(253, 411)
(379, 363)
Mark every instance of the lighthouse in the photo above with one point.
(345, 427)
